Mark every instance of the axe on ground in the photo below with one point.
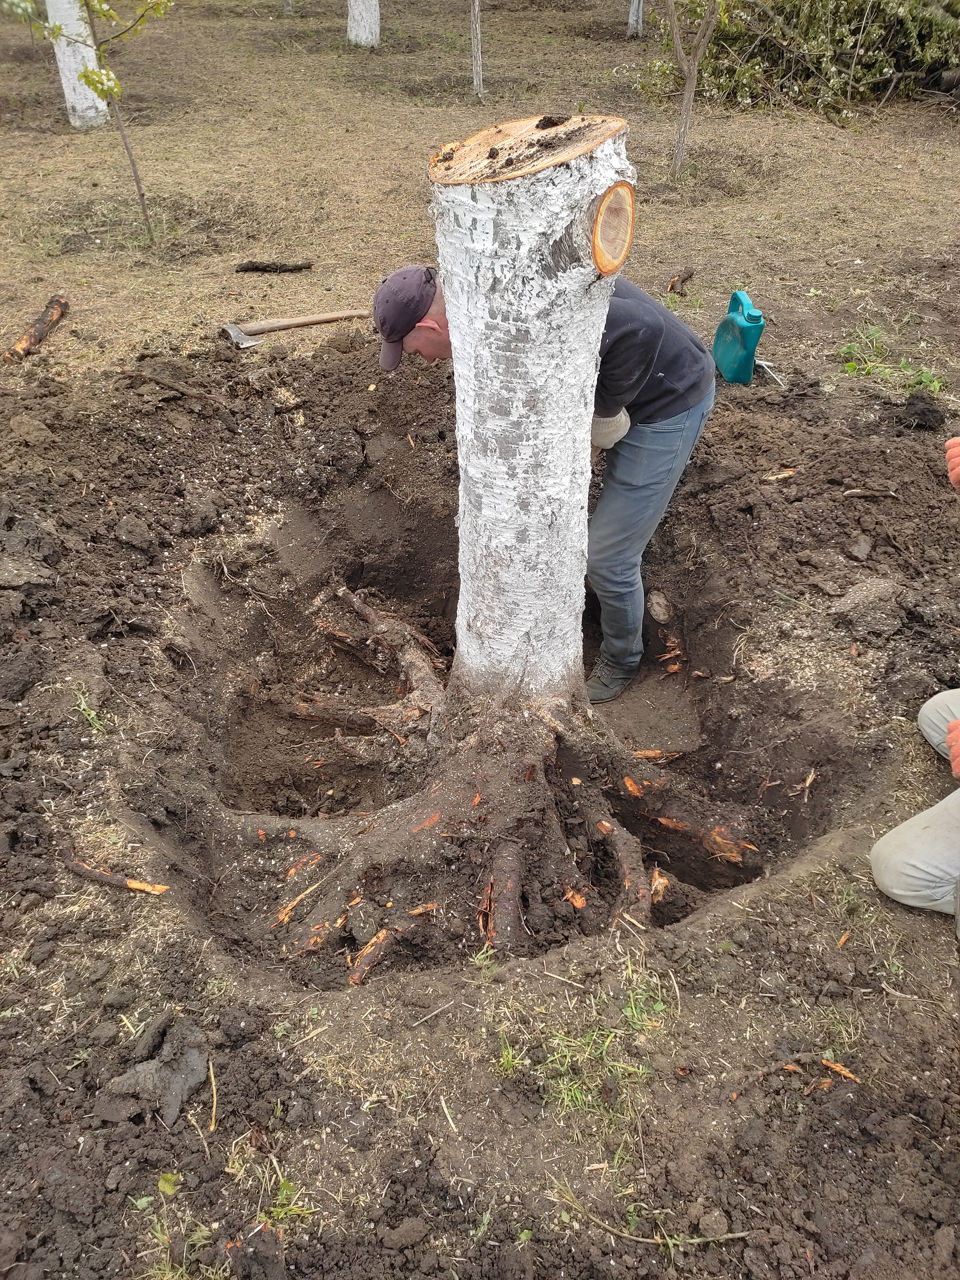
(249, 333)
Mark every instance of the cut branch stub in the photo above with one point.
(533, 219)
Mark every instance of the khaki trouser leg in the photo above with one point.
(918, 863)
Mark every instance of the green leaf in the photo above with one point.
(169, 1183)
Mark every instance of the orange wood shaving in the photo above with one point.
(843, 939)
(476, 800)
(604, 828)
(310, 860)
(575, 897)
(285, 912)
(427, 823)
(791, 1066)
(424, 909)
(632, 787)
(659, 884)
(841, 1070)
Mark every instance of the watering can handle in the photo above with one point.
(740, 301)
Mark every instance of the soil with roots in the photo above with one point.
(229, 585)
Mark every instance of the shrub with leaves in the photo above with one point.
(828, 53)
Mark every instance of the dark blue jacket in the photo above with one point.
(651, 364)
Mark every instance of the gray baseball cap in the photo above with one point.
(401, 301)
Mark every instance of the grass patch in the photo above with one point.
(869, 354)
(175, 1239)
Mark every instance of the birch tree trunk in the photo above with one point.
(363, 22)
(475, 48)
(516, 208)
(75, 53)
(635, 19)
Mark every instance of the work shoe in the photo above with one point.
(606, 681)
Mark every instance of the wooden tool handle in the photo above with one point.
(252, 328)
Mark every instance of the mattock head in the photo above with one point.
(236, 335)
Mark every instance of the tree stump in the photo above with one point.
(534, 218)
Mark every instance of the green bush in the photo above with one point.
(828, 53)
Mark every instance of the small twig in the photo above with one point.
(446, 1112)
(428, 1016)
(213, 1086)
(192, 1119)
(681, 1242)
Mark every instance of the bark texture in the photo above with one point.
(363, 23)
(526, 308)
(635, 19)
(76, 53)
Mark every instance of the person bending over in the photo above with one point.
(655, 389)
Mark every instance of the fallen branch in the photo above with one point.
(48, 319)
(175, 386)
(255, 264)
(99, 876)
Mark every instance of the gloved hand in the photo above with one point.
(953, 462)
(605, 432)
(953, 746)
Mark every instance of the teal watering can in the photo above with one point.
(735, 342)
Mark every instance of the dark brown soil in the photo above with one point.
(179, 1099)
(161, 557)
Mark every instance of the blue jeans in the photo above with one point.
(643, 469)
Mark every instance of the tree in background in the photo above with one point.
(635, 20)
(688, 64)
(363, 23)
(77, 61)
(475, 49)
(90, 88)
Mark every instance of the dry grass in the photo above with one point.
(286, 144)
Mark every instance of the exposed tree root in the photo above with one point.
(528, 829)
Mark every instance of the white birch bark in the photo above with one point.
(363, 22)
(75, 52)
(476, 49)
(635, 19)
(526, 308)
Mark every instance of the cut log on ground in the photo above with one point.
(44, 324)
(255, 264)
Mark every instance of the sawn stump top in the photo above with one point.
(520, 147)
